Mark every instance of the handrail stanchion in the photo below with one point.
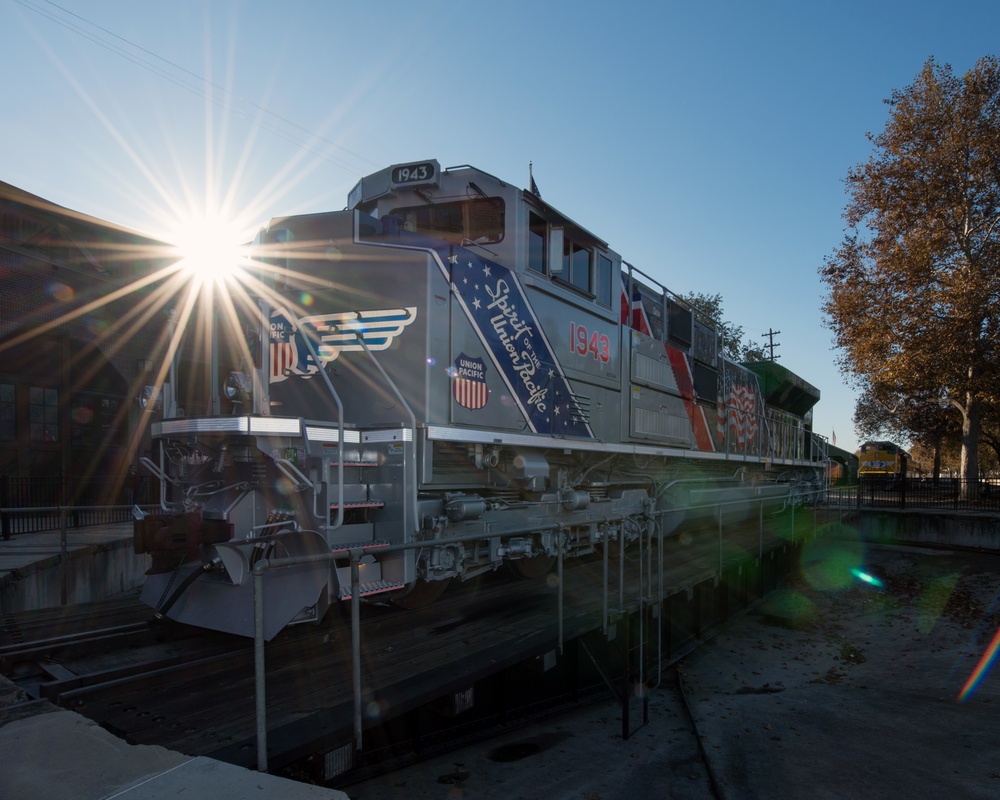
(642, 640)
(260, 702)
(559, 576)
(760, 548)
(63, 557)
(604, 560)
(659, 599)
(719, 512)
(621, 569)
(356, 553)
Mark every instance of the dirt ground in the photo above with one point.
(853, 681)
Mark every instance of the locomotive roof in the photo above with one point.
(556, 214)
(783, 388)
(388, 181)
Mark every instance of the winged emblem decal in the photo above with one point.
(331, 334)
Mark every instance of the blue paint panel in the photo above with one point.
(495, 304)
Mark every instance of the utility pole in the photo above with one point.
(771, 345)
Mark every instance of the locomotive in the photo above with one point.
(447, 377)
(882, 459)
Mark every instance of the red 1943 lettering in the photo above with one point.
(585, 343)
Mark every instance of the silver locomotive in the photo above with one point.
(450, 363)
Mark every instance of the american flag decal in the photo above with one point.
(738, 413)
(283, 360)
(468, 384)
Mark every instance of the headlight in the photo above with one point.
(149, 400)
(236, 387)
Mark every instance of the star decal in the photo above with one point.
(475, 303)
(452, 259)
(486, 270)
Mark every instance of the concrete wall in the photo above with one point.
(924, 527)
(92, 573)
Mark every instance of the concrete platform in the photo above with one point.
(52, 754)
(38, 571)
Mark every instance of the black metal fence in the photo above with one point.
(29, 505)
(947, 494)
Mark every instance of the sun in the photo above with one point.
(211, 247)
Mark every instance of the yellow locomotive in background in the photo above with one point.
(883, 459)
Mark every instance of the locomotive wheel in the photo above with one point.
(530, 569)
(421, 594)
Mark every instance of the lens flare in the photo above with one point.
(982, 668)
(865, 577)
(211, 247)
(833, 563)
(61, 292)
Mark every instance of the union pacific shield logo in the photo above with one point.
(469, 382)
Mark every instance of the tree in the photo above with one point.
(708, 310)
(922, 421)
(914, 288)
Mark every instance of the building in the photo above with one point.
(74, 350)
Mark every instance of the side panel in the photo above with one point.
(350, 299)
(740, 425)
(585, 339)
(502, 334)
(663, 405)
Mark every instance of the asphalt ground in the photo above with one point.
(854, 680)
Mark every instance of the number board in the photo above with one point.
(409, 174)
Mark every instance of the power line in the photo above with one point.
(195, 84)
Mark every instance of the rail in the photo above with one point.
(644, 596)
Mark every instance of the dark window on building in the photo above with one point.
(537, 242)
(43, 414)
(479, 221)
(93, 421)
(576, 264)
(605, 273)
(7, 413)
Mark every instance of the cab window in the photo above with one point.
(576, 264)
(480, 221)
(538, 243)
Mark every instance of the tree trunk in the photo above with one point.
(971, 421)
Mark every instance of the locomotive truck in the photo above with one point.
(453, 364)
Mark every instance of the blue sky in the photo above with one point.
(706, 142)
